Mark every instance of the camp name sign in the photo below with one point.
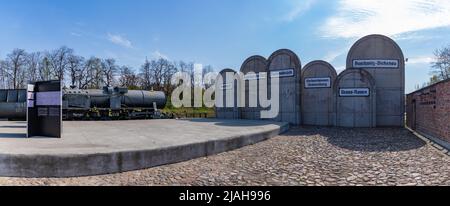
(354, 92)
(376, 63)
(226, 86)
(318, 82)
(255, 76)
(282, 73)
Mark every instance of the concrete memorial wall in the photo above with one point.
(318, 99)
(251, 69)
(355, 99)
(369, 93)
(286, 65)
(383, 59)
(226, 87)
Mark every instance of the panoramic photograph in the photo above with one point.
(225, 93)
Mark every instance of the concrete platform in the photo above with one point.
(93, 148)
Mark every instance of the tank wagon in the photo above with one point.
(13, 104)
(112, 103)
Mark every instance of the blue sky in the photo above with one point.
(223, 33)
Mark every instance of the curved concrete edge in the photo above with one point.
(59, 166)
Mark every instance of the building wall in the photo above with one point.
(428, 110)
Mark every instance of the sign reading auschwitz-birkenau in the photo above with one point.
(320, 82)
(354, 92)
(394, 64)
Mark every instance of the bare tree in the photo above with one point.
(441, 66)
(167, 75)
(58, 60)
(63, 64)
(75, 69)
(3, 75)
(83, 77)
(109, 71)
(157, 69)
(146, 75)
(206, 70)
(45, 73)
(16, 70)
(189, 69)
(34, 63)
(128, 78)
(94, 76)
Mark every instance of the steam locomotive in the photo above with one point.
(110, 103)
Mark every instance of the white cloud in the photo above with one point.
(339, 69)
(357, 18)
(119, 40)
(420, 60)
(76, 34)
(299, 7)
(159, 55)
(333, 55)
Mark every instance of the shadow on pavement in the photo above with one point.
(12, 135)
(233, 123)
(13, 127)
(364, 139)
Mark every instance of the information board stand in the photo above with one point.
(44, 113)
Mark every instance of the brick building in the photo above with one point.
(428, 111)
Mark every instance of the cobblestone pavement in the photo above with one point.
(303, 156)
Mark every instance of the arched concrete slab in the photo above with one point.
(355, 99)
(228, 84)
(318, 97)
(384, 60)
(251, 69)
(287, 62)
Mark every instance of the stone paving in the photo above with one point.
(303, 156)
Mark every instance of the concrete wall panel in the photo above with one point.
(254, 64)
(356, 110)
(227, 86)
(318, 99)
(390, 80)
(290, 86)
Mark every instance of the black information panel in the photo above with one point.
(44, 114)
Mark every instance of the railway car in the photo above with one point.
(109, 103)
(112, 103)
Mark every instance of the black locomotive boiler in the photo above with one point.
(13, 104)
(112, 103)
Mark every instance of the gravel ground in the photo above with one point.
(303, 156)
